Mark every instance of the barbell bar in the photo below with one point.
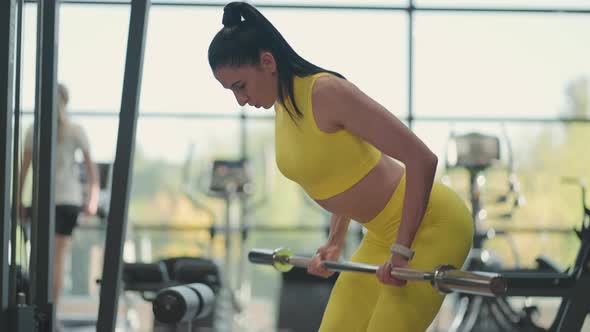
(445, 278)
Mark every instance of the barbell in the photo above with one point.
(445, 278)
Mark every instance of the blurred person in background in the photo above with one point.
(70, 196)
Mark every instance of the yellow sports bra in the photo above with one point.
(324, 164)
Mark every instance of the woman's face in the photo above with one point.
(255, 85)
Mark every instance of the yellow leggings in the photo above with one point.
(359, 302)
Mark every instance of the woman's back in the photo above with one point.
(68, 187)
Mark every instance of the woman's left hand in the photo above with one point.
(384, 271)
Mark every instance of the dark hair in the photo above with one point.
(240, 42)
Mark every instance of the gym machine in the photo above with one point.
(172, 274)
(31, 309)
(572, 286)
(476, 153)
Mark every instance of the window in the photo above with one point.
(490, 65)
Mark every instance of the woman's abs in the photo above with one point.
(364, 200)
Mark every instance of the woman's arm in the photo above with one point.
(93, 185)
(345, 106)
(338, 230)
(331, 250)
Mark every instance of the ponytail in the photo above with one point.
(240, 42)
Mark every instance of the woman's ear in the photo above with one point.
(267, 61)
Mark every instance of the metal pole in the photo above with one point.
(15, 152)
(35, 156)
(291, 5)
(574, 308)
(7, 29)
(122, 169)
(44, 168)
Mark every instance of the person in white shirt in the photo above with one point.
(69, 192)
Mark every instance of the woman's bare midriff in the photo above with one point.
(363, 201)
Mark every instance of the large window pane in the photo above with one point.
(335, 2)
(165, 148)
(92, 55)
(498, 65)
(177, 77)
(102, 135)
(277, 2)
(368, 47)
(29, 56)
(508, 3)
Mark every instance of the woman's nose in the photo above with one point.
(241, 98)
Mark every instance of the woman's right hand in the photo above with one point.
(327, 252)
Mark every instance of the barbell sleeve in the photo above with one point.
(445, 278)
(262, 256)
(448, 279)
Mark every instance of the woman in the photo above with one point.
(343, 148)
(68, 196)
